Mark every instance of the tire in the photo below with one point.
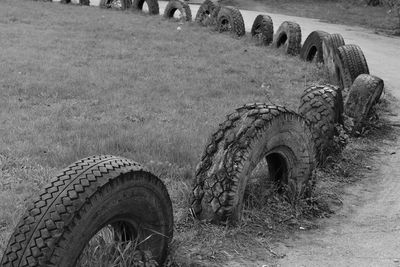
(322, 105)
(251, 134)
(175, 5)
(84, 2)
(204, 13)
(312, 47)
(83, 198)
(263, 27)
(117, 4)
(230, 19)
(330, 44)
(288, 36)
(349, 63)
(154, 9)
(364, 94)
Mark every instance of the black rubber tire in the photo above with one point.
(230, 19)
(122, 4)
(322, 105)
(81, 200)
(349, 63)
(182, 6)
(330, 44)
(364, 94)
(252, 133)
(289, 37)
(154, 8)
(84, 2)
(203, 15)
(263, 28)
(312, 47)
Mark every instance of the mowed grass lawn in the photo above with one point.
(78, 81)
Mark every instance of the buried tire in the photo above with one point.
(312, 47)
(205, 12)
(117, 4)
(263, 28)
(288, 36)
(322, 105)
(252, 134)
(230, 19)
(84, 198)
(330, 44)
(178, 5)
(154, 8)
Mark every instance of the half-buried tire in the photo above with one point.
(87, 196)
(263, 28)
(203, 15)
(117, 4)
(153, 6)
(330, 44)
(364, 94)
(230, 19)
(288, 36)
(178, 5)
(312, 47)
(322, 105)
(252, 134)
(349, 63)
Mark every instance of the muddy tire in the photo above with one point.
(154, 8)
(322, 105)
(251, 134)
(288, 36)
(312, 47)
(364, 94)
(117, 4)
(230, 19)
(84, 198)
(206, 9)
(330, 44)
(263, 28)
(178, 5)
(349, 63)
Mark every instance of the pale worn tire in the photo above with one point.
(181, 6)
(312, 47)
(365, 92)
(263, 28)
(204, 14)
(154, 8)
(230, 19)
(81, 200)
(322, 105)
(288, 36)
(252, 133)
(330, 44)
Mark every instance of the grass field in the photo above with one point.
(79, 81)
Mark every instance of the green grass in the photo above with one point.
(79, 81)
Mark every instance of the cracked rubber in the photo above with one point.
(330, 44)
(312, 47)
(322, 105)
(81, 200)
(154, 8)
(230, 19)
(288, 36)
(263, 28)
(252, 133)
(181, 6)
(205, 12)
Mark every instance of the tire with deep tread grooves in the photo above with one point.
(349, 63)
(252, 133)
(230, 19)
(364, 94)
(205, 11)
(322, 105)
(312, 47)
(288, 36)
(330, 44)
(263, 27)
(81, 200)
(181, 6)
(154, 8)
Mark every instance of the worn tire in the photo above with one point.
(203, 15)
(252, 133)
(263, 28)
(312, 47)
(84, 2)
(330, 44)
(230, 19)
(154, 8)
(322, 105)
(364, 94)
(120, 4)
(288, 36)
(182, 6)
(82, 199)
(349, 63)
